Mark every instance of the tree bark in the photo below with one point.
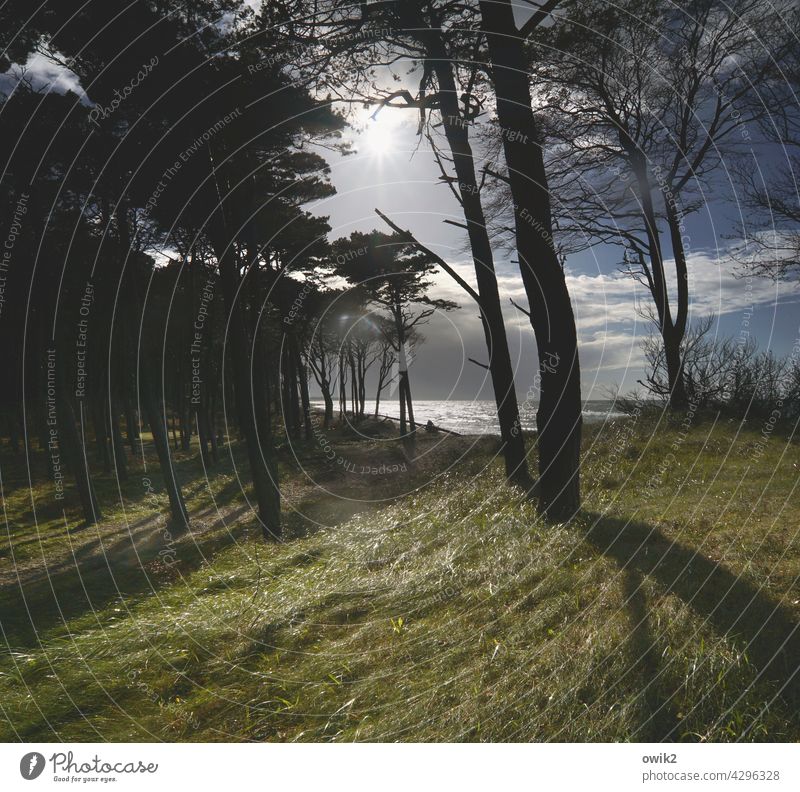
(203, 438)
(291, 407)
(212, 428)
(559, 417)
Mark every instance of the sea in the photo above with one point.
(480, 416)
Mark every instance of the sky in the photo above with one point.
(395, 172)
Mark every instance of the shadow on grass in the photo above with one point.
(101, 572)
(734, 607)
(126, 564)
(658, 717)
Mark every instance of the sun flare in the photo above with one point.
(379, 135)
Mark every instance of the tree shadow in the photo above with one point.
(117, 567)
(735, 608)
(658, 717)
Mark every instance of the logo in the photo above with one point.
(31, 765)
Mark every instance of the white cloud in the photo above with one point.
(605, 305)
(43, 73)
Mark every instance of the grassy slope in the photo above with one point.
(665, 612)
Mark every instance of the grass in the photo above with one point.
(427, 607)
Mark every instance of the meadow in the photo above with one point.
(423, 604)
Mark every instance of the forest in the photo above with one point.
(242, 497)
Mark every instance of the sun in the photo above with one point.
(378, 137)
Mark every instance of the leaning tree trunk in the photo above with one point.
(412, 424)
(558, 418)
(500, 368)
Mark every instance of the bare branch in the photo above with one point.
(478, 363)
(409, 237)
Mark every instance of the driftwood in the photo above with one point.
(422, 426)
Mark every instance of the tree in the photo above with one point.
(199, 154)
(321, 343)
(643, 98)
(343, 50)
(559, 416)
(771, 227)
(387, 359)
(393, 274)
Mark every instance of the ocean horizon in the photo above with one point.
(478, 416)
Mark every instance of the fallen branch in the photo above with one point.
(423, 426)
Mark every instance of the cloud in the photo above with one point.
(610, 328)
(44, 74)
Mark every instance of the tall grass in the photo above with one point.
(665, 611)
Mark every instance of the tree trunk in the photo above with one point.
(263, 427)
(212, 428)
(76, 453)
(671, 332)
(378, 396)
(342, 392)
(201, 417)
(13, 431)
(156, 418)
(679, 399)
(131, 425)
(500, 368)
(262, 469)
(559, 417)
(118, 445)
(326, 395)
(410, 404)
(186, 427)
(402, 392)
(291, 405)
(353, 387)
(305, 401)
(101, 434)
